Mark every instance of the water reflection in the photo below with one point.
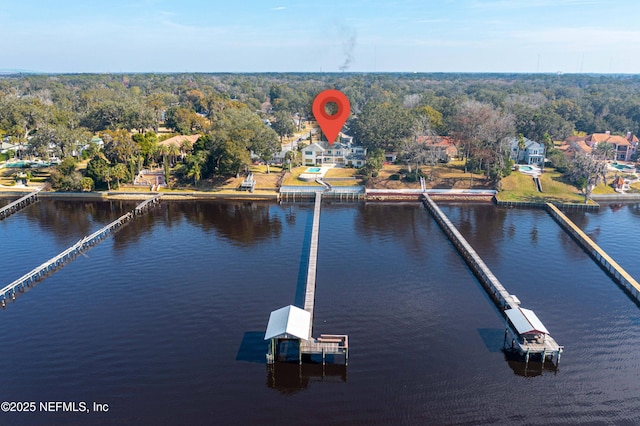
(480, 223)
(291, 378)
(535, 367)
(69, 220)
(400, 222)
(241, 223)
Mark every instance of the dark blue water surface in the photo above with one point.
(164, 320)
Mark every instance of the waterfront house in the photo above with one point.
(343, 153)
(533, 152)
(445, 144)
(182, 142)
(624, 146)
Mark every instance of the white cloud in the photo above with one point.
(278, 8)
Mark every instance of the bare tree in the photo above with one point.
(587, 172)
(484, 134)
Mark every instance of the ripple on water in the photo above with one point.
(167, 316)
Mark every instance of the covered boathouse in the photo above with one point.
(289, 329)
(530, 335)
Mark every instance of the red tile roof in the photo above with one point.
(177, 140)
(605, 137)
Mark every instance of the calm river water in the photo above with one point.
(164, 320)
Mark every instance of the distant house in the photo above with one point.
(6, 146)
(98, 141)
(624, 147)
(444, 143)
(343, 153)
(533, 152)
(391, 156)
(179, 140)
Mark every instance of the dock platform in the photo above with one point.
(528, 339)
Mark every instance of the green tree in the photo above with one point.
(605, 151)
(67, 166)
(119, 146)
(97, 169)
(381, 125)
(146, 144)
(184, 121)
(195, 163)
(283, 124)
(521, 145)
(119, 173)
(87, 184)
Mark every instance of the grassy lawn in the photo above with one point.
(634, 188)
(292, 178)
(604, 189)
(445, 176)
(261, 168)
(341, 172)
(520, 187)
(452, 175)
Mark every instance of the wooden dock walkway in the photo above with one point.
(40, 272)
(610, 266)
(326, 344)
(19, 204)
(498, 293)
(310, 288)
(146, 204)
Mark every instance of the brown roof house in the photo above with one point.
(625, 146)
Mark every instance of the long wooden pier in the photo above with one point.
(310, 288)
(505, 301)
(326, 344)
(332, 344)
(610, 266)
(19, 204)
(40, 272)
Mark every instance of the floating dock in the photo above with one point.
(19, 204)
(40, 272)
(292, 323)
(529, 334)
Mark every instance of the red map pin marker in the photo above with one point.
(331, 124)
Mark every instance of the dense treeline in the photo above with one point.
(55, 112)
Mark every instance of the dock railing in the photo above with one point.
(40, 272)
(19, 204)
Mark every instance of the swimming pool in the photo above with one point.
(525, 168)
(624, 168)
(313, 170)
(17, 164)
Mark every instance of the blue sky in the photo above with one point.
(591, 36)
